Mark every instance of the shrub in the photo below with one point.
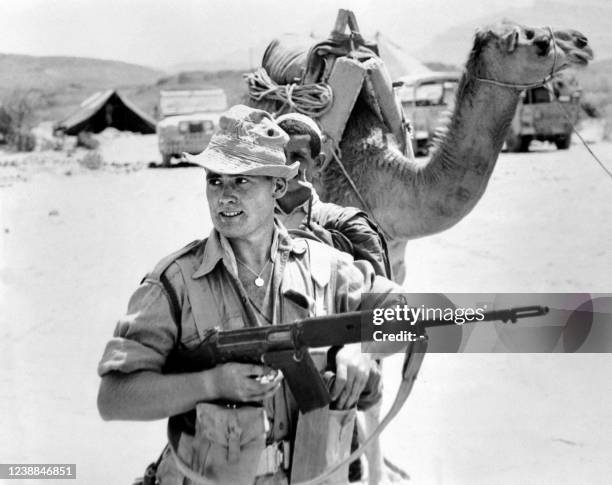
(17, 119)
(91, 160)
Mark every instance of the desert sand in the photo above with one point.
(75, 242)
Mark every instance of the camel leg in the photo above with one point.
(369, 420)
(378, 472)
(397, 254)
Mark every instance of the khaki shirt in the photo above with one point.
(204, 278)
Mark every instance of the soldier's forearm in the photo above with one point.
(146, 395)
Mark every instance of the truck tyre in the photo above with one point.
(518, 143)
(563, 141)
(166, 159)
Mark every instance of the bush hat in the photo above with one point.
(248, 142)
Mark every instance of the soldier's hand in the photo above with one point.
(352, 371)
(319, 231)
(244, 382)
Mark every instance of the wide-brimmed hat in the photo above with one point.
(248, 142)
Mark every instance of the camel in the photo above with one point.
(411, 200)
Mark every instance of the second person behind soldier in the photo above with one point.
(348, 229)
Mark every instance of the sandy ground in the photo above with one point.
(75, 242)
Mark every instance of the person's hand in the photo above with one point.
(352, 371)
(319, 231)
(244, 382)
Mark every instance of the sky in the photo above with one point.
(165, 33)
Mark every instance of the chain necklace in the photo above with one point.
(259, 281)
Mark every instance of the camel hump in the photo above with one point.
(285, 58)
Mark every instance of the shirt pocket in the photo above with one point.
(232, 320)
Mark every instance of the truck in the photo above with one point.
(427, 99)
(188, 119)
(545, 113)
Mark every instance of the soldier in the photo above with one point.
(246, 420)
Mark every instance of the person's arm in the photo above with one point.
(149, 395)
(133, 386)
(366, 242)
(353, 366)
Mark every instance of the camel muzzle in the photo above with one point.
(543, 44)
(581, 41)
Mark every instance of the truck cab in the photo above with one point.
(545, 113)
(188, 119)
(425, 100)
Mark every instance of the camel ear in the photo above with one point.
(511, 40)
(481, 39)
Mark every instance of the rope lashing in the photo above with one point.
(312, 100)
(567, 116)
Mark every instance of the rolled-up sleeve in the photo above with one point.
(356, 278)
(144, 336)
(359, 288)
(366, 242)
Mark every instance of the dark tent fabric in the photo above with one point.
(106, 109)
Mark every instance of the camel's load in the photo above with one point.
(323, 79)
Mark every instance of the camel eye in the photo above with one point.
(529, 34)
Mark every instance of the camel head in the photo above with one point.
(516, 54)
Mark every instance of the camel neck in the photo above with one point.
(481, 119)
(461, 166)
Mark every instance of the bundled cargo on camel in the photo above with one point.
(326, 80)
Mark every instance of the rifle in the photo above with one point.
(285, 347)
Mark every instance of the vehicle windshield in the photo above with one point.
(428, 94)
(537, 95)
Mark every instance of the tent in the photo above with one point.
(106, 109)
(397, 61)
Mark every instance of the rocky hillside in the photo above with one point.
(590, 17)
(55, 86)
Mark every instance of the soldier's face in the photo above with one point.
(241, 206)
(298, 150)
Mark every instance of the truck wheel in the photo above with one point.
(563, 141)
(166, 159)
(518, 143)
